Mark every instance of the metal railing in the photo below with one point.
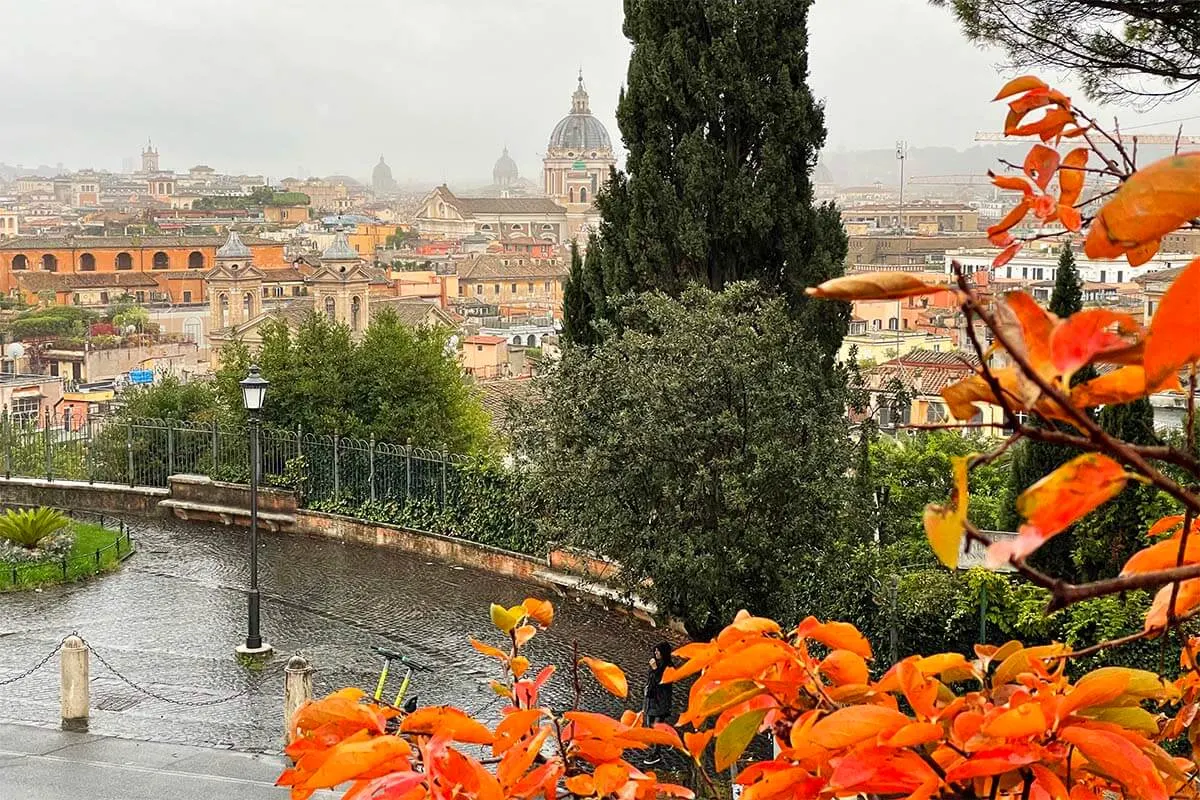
(145, 452)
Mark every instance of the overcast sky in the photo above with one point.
(437, 86)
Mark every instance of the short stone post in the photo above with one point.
(297, 690)
(73, 664)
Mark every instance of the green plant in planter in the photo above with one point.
(28, 527)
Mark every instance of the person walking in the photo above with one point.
(657, 706)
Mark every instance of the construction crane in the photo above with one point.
(950, 180)
(1125, 138)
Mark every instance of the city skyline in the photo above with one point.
(438, 91)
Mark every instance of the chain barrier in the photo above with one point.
(253, 687)
(35, 667)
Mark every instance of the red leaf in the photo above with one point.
(1040, 165)
(1007, 255)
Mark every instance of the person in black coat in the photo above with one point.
(657, 707)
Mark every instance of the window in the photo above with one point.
(295, 291)
(20, 261)
(1008, 272)
(530, 290)
(1024, 272)
(161, 261)
(513, 288)
(583, 195)
(104, 297)
(1150, 309)
(1103, 276)
(247, 304)
(50, 262)
(196, 260)
(191, 329)
(124, 261)
(1120, 276)
(515, 227)
(187, 296)
(141, 297)
(479, 348)
(75, 298)
(876, 324)
(547, 286)
(571, 194)
(223, 311)
(485, 227)
(87, 263)
(495, 288)
(279, 291)
(355, 309)
(330, 309)
(893, 324)
(25, 408)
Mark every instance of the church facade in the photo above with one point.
(578, 160)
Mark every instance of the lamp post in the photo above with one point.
(254, 392)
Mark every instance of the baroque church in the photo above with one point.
(340, 286)
(577, 162)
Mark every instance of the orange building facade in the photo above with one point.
(77, 270)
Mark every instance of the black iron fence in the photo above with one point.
(144, 452)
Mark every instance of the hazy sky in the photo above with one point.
(438, 86)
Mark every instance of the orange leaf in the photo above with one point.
(961, 397)
(1018, 85)
(751, 661)
(608, 675)
(540, 611)
(518, 666)
(1097, 688)
(1027, 327)
(1050, 783)
(1187, 600)
(581, 785)
(1016, 723)
(1174, 337)
(842, 666)
(488, 650)
(1059, 499)
(1040, 164)
(1136, 256)
(1083, 336)
(518, 759)
(875, 286)
(1122, 385)
(1070, 217)
(853, 724)
(1016, 183)
(1166, 524)
(913, 734)
(349, 760)
(1153, 202)
(1007, 254)
(1070, 176)
(523, 634)
(1116, 757)
(1048, 127)
(1011, 219)
(446, 721)
(835, 635)
(611, 777)
(697, 742)
(1162, 555)
(513, 727)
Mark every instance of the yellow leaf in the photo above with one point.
(944, 526)
(519, 665)
(503, 618)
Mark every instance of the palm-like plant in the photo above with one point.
(27, 527)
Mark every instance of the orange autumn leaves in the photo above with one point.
(432, 753)
(931, 726)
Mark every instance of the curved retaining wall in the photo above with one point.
(562, 570)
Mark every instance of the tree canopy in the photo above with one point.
(701, 446)
(723, 133)
(1120, 49)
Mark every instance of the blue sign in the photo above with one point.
(141, 376)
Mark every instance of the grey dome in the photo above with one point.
(577, 132)
(382, 175)
(505, 171)
(234, 248)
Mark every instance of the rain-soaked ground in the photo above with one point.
(171, 617)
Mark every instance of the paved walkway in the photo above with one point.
(44, 764)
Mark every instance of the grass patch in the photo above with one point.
(95, 550)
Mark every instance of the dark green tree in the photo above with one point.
(1067, 297)
(1120, 49)
(578, 311)
(722, 133)
(702, 447)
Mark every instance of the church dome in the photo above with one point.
(579, 131)
(505, 171)
(234, 247)
(381, 176)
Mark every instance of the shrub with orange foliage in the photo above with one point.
(1006, 723)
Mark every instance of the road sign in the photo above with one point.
(141, 376)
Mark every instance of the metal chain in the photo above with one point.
(35, 667)
(189, 703)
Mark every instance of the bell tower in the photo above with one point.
(150, 158)
(234, 286)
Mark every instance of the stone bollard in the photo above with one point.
(73, 666)
(297, 690)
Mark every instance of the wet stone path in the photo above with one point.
(171, 617)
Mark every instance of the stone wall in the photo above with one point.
(106, 497)
(446, 548)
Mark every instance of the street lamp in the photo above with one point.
(254, 392)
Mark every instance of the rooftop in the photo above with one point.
(491, 266)
(123, 242)
(485, 340)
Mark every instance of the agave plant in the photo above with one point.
(27, 527)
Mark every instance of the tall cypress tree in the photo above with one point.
(1067, 297)
(578, 311)
(723, 133)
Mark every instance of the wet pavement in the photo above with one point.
(169, 620)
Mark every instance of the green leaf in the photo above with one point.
(734, 740)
